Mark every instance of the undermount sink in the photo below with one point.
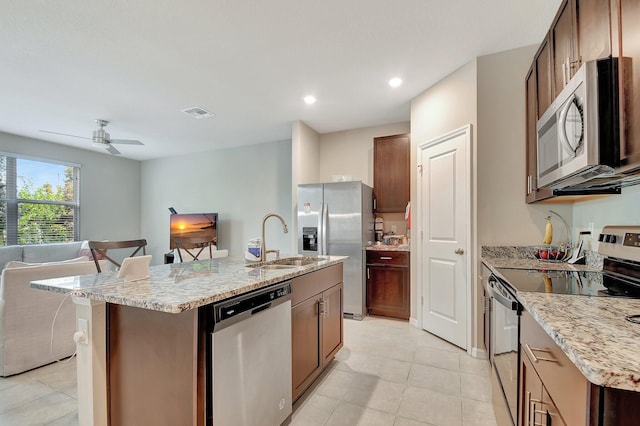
(296, 261)
(274, 266)
(288, 262)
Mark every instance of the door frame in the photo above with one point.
(467, 131)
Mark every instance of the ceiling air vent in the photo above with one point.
(197, 112)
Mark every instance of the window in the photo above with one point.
(39, 201)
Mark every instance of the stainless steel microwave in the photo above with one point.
(578, 135)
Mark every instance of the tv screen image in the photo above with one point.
(193, 225)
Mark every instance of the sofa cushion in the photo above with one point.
(9, 253)
(39, 253)
(17, 264)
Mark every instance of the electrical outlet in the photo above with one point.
(82, 326)
(393, 228)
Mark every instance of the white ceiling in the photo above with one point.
(139, 63)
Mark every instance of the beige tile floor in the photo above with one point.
(388, 373)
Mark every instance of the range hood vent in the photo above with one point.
(594, 180)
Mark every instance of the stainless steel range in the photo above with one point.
(620, 277)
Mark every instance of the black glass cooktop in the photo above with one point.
(558, 282)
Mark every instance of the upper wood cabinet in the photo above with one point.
(391, 177)
(580, 32)
(627, 19)
(533, 193)
(564, 47)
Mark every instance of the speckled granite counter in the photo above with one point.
(389, 247)
(515, 263)
(180, 287)
(593, 333)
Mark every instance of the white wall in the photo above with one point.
(351, 152)
(109, 186)
(504, 218)
(240, 184)
(448, 105)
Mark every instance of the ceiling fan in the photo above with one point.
(101, 138)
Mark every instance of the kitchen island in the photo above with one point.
(156, 329)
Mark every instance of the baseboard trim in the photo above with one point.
(413, 322)
(479, 353)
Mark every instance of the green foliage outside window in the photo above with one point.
(37, 213)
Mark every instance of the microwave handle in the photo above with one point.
(564, 139)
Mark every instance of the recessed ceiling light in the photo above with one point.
(309, 100)
(395, 82)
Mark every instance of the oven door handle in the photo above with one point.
(511, 304)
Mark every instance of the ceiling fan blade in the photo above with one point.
(64, 134)
(112, 150)
(125, 141)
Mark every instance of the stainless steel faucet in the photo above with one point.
(263, 248)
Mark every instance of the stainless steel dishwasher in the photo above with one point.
(251, 358)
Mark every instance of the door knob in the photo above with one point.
(459, 251)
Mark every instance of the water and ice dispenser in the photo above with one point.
(310, 238)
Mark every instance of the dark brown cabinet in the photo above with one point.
(627, 19)
(316, 324)
(564, 47)
(537, 407)
(533, 193)
(388, 283)
(391, 159)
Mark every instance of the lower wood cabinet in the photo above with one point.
(552, 389)
(388, 283)
(316, 324)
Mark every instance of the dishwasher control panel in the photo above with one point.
(253, 302)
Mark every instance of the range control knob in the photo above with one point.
(607, 238)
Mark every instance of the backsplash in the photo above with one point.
(592, 258)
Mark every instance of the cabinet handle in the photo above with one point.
(386, 257)
(535, 358)
(368, 276)
(321, 307)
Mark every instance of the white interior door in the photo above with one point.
(444, 218)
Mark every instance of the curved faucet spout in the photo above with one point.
(263, 249)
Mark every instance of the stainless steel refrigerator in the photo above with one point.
(337, 219)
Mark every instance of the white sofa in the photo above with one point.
(27, 315)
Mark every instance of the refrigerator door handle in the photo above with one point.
(324, 219)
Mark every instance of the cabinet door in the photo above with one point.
(550, 415)
(562, 39)
(543, 79)
(332, 333)
(533, 87)
(388, 291)
(594, 29)
(530, 393)
(391, 161)
(628, 18)
(305, 344)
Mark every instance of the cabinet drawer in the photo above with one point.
(567, 387)
(398, 258)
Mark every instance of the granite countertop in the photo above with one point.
(591, 331)
(389, 247)
(514, 263)
(180, 287)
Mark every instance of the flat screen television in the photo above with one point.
(193, 225)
